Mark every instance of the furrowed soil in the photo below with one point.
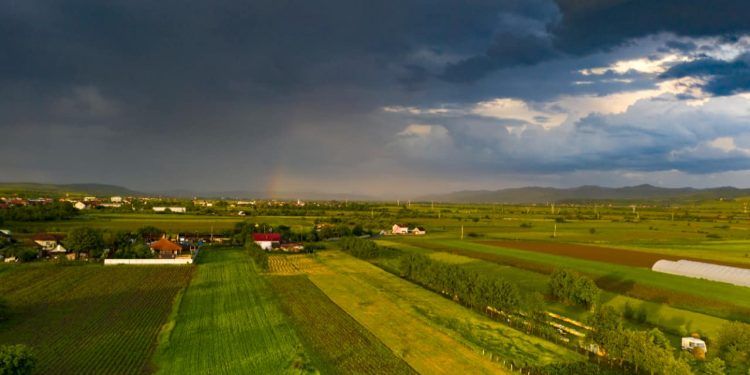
(624, 257)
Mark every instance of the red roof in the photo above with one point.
(165, 245)
(45, 237)
(267, 237)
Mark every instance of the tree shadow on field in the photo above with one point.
(614, 283)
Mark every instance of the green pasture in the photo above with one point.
(229, 322)
(712, 298)
(670, 319)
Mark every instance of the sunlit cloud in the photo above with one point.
(640, 65)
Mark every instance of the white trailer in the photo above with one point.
(690, 343)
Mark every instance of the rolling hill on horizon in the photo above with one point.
(535, 194)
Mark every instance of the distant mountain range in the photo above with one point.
(585, 193)
(530, 194)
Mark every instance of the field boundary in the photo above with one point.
(143, 262)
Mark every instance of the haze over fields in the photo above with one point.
(379, 98)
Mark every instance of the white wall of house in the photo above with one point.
(265, 245)
(109, 262)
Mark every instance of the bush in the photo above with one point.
(16, 360)
(360, 248)
(571, 287)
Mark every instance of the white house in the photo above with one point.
(45, 241)
(159, 209)
(180, 210)
(418, 231)
(89, 199)
(267, 241)
(79, 205)
(115, 199)
(400, 229)
(690, 343)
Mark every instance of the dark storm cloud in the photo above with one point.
(214, 94)
(720, 77)
(591, 26)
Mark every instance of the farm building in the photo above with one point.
(58, 250)
(115, 199)
(267, 241)
(708, 271)
(79, 205)
(418, 231)
(400, 229)
(166, 248)
(46, 241)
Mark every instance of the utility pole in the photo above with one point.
(554, 232)
(553, 208)
(462, 232)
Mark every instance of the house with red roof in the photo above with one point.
(267, 241)
(166, 248)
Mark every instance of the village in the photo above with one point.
(163, 247)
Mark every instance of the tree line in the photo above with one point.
(471, 288)
(45, 212)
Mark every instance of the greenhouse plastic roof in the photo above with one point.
(708, 271)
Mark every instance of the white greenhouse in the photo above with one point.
(708, 271)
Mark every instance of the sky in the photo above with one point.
(380, 98)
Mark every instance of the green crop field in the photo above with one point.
(442, 336)
(707, 297)
(229, 321)
(669, 319)
(335, 340)
(89, 318)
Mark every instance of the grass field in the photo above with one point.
(89, 318)
(442, 336)
(707, 297)
(336, 342)
(171, 223)
(229, 322)
(670, 319)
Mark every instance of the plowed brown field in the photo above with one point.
(625, 257)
